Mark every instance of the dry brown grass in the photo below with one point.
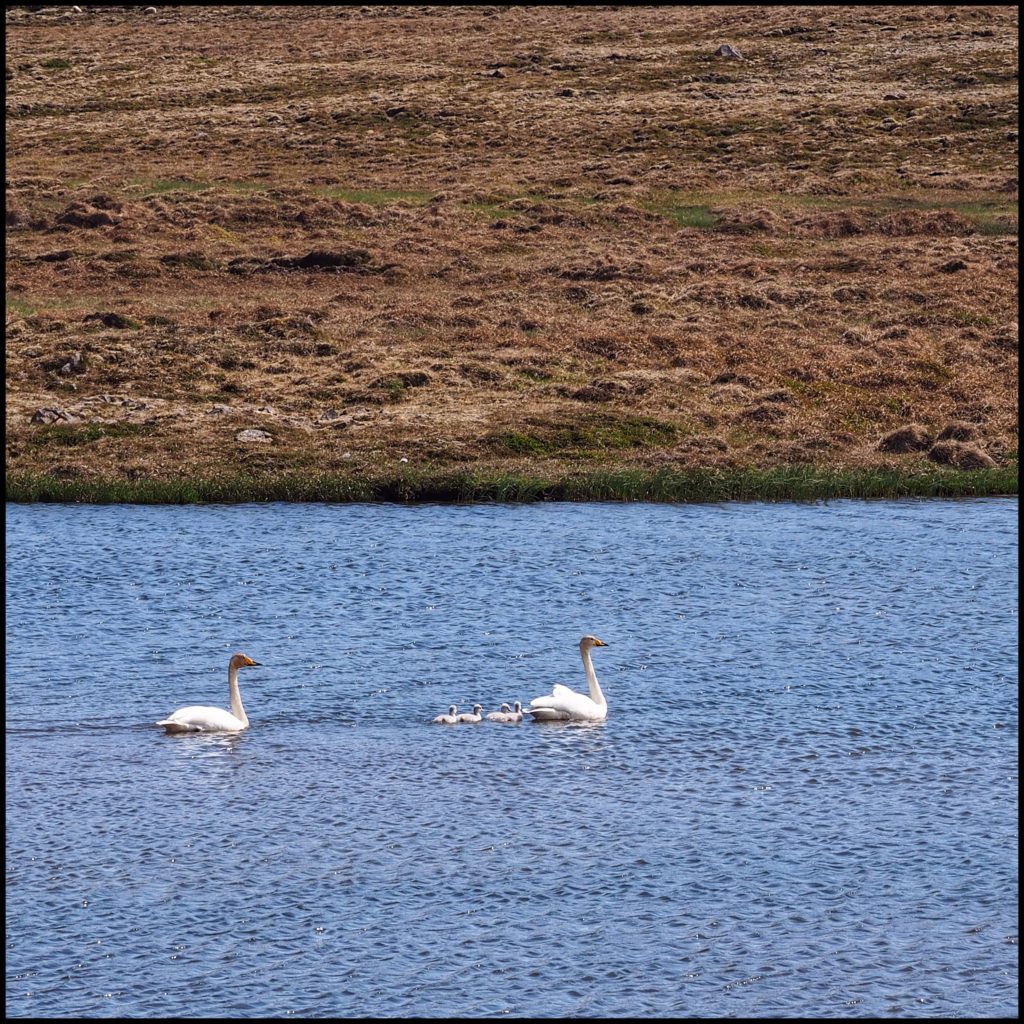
(502, 237)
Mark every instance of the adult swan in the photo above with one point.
(203, 719)
(565, 705)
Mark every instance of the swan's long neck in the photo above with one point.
(236, 697)
(594, 686)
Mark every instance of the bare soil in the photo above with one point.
(270, 239)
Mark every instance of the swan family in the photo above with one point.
(561, 705)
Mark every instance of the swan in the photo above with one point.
(565, 705)
(450, 719)
(507, 714)
(471, 716)
(203, 719)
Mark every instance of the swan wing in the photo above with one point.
(201, 719)
(547, 714)
(564, 692)
(572, 706)
(556, 698)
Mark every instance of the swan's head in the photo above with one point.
(241, 661)
(518, 707)
(452, 709)
(591, 641)
(505, 708)
(478, 709)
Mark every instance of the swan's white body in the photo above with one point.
(472, 716)
(507, 714)
(565, 705)
(450, 719)
(198, 718)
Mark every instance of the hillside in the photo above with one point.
(264, 241)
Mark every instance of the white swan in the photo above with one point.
(507, 714)
(471, 716)
(450, 719)
(203, 719)
(565, 705)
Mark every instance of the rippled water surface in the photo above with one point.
(803, 801)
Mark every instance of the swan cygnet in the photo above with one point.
(203, 719)
(450, 719)
(508, 714)
(500, 716)
(565, 705)
(472, 716)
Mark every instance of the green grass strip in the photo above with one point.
(801, 484)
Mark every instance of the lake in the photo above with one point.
(803, 801)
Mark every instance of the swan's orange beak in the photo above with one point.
(249, 661)
(599, 643)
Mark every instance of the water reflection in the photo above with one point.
(212, 744)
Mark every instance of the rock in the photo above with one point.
(725, 50)
(53, 415)
(960, 456)
(333, 416)
(911, 438)
(953, 266)
(76, 364)
(254, 436)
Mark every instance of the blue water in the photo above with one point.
(803, 801)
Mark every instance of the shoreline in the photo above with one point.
(791, 484)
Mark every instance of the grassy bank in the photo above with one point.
(692, 486)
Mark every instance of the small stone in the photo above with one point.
(254, 437)
(76, 364)
(725, 50)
